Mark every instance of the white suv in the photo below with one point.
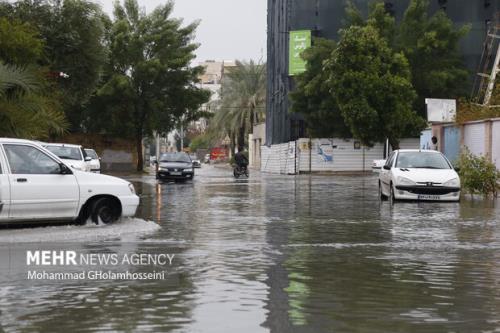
(35, 186)
(72, 155)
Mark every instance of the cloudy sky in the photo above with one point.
(229, 29)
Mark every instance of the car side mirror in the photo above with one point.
(387, 167)
(88, 158)
(64, 169)
(457, 169)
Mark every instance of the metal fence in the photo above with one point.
(480, 137)
(324, 155)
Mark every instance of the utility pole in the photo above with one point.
(157, 146)
(182, 134)
(494, 72)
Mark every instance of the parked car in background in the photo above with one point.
(418, 175)
(377, 165)
(175, 166)
(72, 155)
(36, 186)
(196, 161)
(95, 163)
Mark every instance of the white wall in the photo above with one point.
(336, 155)
(474, 138)
(409, 143)
(495, 142)
(279, 159)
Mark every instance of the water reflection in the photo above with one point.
(408, 268)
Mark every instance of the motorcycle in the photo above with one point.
(240, 171)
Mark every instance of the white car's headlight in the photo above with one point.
(131, 188)
(455, 182)
(405, 181)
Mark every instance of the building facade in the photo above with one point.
(324, 18)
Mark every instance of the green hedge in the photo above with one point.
(477, 174)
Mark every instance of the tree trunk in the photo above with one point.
(241, 137)
(252, 121)
(394, 143)
(138, 145)
(232, 144)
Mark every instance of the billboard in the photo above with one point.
(441, 110)
(299, 41)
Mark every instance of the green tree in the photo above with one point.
(429, 42)
(431, 45)
(19, 42)
(149, 85)
(73, 32)
(312, 97)
(372, 87)
(29, 106)
(243, 98)
(202, 141)
(26, 111)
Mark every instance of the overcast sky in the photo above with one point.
(229, 29)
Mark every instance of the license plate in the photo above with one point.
(428, 197)
(176, 173)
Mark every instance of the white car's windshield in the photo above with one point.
(67, 153)
(422, 160)
(91, 153)
(175, 157)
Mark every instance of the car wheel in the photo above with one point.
(236, 174)
(381, 195)
(104, 210)
(392, 196)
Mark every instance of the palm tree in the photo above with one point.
(243, 97)
(25, 111)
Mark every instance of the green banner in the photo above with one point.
(299, 41)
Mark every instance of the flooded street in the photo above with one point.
(274, 253)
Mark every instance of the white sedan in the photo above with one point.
(95, 162)
(377, 165)
(35, 185)
(418, 175)
(72, 155)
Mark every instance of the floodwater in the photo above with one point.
(273, 254)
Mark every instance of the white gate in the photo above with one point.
(495, 142)
(474, 138)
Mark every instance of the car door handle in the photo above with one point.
(21, 180)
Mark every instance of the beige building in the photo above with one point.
(211, 80)
(255, 141)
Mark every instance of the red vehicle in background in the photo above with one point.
(218, 154)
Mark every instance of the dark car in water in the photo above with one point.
(175, 166)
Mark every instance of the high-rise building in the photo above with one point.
(324, 18)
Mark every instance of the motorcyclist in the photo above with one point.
(240, 159)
